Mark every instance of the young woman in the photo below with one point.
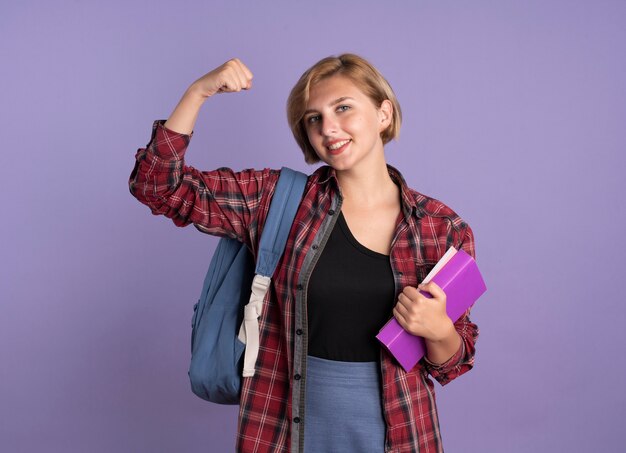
(361, 243)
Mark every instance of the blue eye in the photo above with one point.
(343, 108)
(313, 119)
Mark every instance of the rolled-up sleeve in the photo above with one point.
(463, 359)
(220, 202)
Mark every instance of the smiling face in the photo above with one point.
(344, 126)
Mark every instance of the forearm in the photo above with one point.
(446, 360)
(441, 350)
(184, 116)
(230, 77)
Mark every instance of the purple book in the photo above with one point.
(458, 275)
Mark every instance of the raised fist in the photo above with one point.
(230, 77)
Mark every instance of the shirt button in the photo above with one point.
(296, 419)
(331, 212)
(298, 331)
(297, 377)
(299, 287)
(400, 274)
(314, 247)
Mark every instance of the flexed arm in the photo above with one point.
(230, 77)
(221, 202)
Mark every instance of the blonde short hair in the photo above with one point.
(362, 73)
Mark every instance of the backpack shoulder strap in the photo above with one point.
(283, 207)
(282, 212)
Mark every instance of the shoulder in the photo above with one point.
(424, 207)
(431, 208)
(439, 224)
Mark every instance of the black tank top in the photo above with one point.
(350, 297)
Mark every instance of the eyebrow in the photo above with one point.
(335, 102)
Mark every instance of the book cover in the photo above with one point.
(458, 275)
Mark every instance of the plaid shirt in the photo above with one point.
(235, 204)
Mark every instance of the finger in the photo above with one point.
(230, 77)
(232, 81)
(434, 290)
(411, 292)
(400, 318)
(402, 309)
(249, 78)
(246, 70)
(234, 71)
(243, 80)
(406, 302)
(229, 86)
(403, 300)
(246, 74)
(236, 75)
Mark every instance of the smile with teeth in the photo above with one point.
(335, 146)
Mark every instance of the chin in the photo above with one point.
(341, 166)
(341, 162)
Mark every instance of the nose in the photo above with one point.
(329, 125)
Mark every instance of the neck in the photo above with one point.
(367, 187)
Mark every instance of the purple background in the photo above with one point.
(514, 115)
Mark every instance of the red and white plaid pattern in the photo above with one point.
(235, 204)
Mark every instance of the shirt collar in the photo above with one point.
(410, 203)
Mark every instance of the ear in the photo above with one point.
(385, 114)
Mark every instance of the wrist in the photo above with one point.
(194, 95)
(444, 332)
(441, 349)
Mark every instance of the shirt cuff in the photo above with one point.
(167, 144)
(448, 364)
